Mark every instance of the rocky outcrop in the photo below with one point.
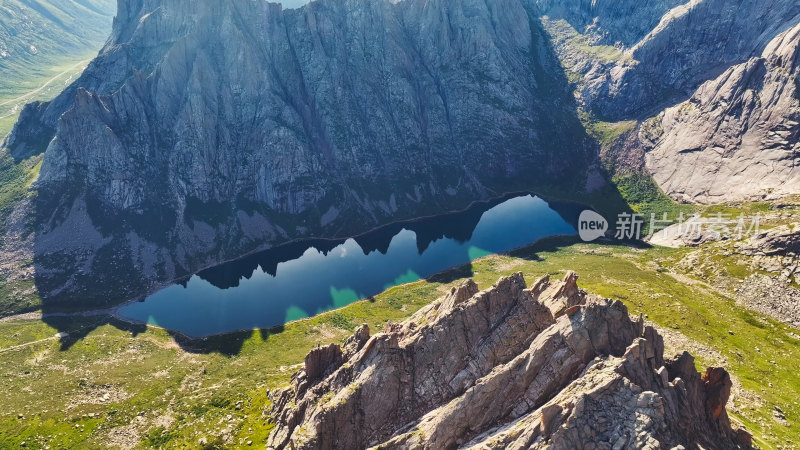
(737, 137)
(783, 240)
(509, 367)
(772, 296)
(775, 253)
(692, 232)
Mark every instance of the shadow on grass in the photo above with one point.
(77, 328)
(229, 344)
(557, 243)
(451, 275)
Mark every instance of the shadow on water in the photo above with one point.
(301, 280)
(457, 226)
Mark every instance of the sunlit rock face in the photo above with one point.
(717, 77)
(738, 136)
(549, 366)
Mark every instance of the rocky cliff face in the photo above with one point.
(510, 367)
(345, 103)
(205, 130)
(737, 136)
(635, 58)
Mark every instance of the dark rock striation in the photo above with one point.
(509, 367)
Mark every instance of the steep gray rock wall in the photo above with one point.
(738, 136)
(213, 128)
(283, 107)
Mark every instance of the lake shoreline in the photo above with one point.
(191, 338)
(115, 311)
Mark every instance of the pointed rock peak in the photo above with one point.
(783, 50)
(497, 371)
(322, 361)
(513, 280)
(568, 286)
(539, 286)
(718, 384)
(460, 294)
(356, 342)
(561, 296)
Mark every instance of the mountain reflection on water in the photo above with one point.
(309, 277)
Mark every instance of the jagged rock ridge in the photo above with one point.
(509, 367)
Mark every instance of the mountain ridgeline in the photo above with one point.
(208, 129)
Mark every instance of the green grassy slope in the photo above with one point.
(116, 385)
(36, 34)
(42, 83)
(44, 45)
